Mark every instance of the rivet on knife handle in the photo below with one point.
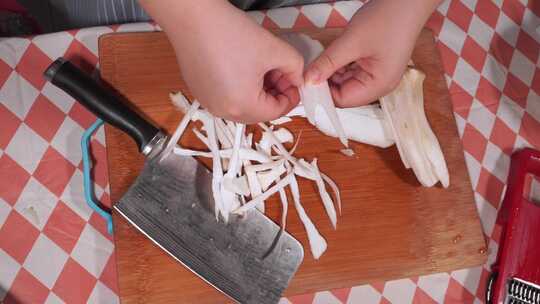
(103, 103)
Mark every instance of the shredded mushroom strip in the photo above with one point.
(181, 128)
(247, 173)
(217, 172)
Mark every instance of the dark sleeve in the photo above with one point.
(266, 4)
(68, 14)
(60, 15)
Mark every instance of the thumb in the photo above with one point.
(340, 53)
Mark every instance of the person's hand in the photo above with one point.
(368, 60)
(234, 67)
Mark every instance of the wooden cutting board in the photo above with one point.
(390, 228)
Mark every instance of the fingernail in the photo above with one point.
(313, 76)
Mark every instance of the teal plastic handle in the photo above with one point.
(88, 185)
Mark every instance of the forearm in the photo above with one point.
(425, 7)
(413, 13)
(182, 18)
(405, 18)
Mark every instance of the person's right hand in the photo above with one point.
(368, 60)
(234, 67)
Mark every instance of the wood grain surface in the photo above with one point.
(390, 228)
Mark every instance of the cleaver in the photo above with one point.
(171, 202)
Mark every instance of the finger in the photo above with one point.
(288, 108)
(348, 75)
(285, 87)
(363, 76)
(283, 84)
(358, 90)
(336, 56)
(341, 78)
(356, 66)
(336, 78)
(293, 95)
(276, 80)
(269, 107)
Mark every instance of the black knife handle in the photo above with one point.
(100, 101)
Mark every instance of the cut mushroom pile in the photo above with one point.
(246, 173)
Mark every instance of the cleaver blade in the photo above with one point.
(171, 203)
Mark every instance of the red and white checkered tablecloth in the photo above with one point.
(54, 249)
